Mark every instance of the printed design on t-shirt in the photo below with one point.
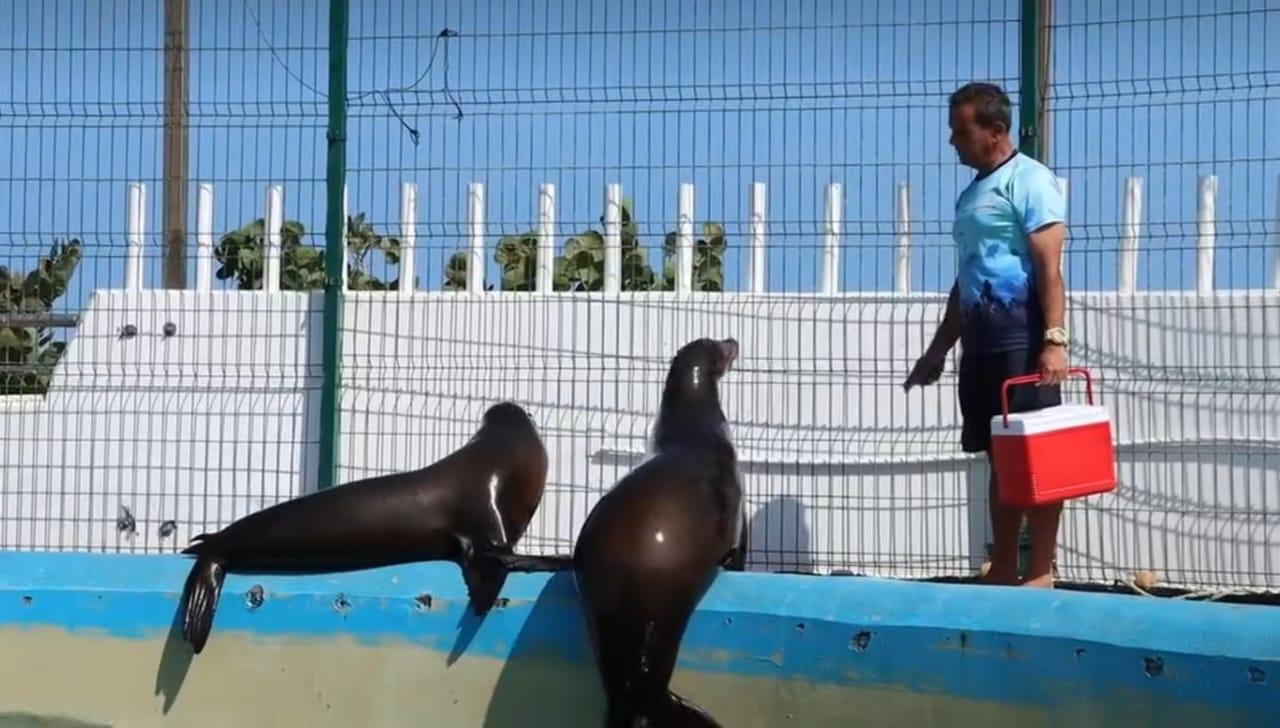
(994, 216)
(994, 279)
(1004, 306)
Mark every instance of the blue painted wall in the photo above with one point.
(1054, 652)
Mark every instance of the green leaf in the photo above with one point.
(306, 256)
(53, 353)
(292, 231)
(582, 260)
(249, 256)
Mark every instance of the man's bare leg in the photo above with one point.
(1006, 524)
(1043, 522)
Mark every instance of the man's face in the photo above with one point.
(973, 144)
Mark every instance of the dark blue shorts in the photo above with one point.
(981, 377)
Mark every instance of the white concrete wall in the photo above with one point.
(844, 470)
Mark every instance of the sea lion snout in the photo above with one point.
(729, 350)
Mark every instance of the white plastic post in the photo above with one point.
(1130, 233)
(272, 239)
(831, 247)
(408, 235)
(204, 237)
(684, 238)
(546, 236)
(612, 238)
(346, 261)
(756, 231)
(475, 217)
(135, 229)
(1206, 216)
(902, 246)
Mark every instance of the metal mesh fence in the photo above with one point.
(774, 171)
(170, 412)
(1158, 112)
(686, 119)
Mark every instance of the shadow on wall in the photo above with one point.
(550, 677)
(778, 538)
(175, 662)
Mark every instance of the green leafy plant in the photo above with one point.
(708, 259)
(580, 263)
(29, 354)
(362, 240)
(455, 273)
(239, 254)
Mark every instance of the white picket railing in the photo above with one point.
(757, 226)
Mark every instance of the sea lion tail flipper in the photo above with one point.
(484, 573)
(684, 714)
(666, 709)
(198, 544)
(200, 600)
(736, 558)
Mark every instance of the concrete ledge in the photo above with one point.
(90, 637)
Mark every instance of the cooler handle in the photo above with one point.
(1032, 378)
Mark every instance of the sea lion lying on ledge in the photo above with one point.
(471, 508)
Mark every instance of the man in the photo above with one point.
(1006, 307)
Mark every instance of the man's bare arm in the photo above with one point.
(928, 368)
(1046, 257)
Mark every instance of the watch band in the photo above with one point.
(1057, 335)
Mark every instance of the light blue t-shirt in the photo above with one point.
(994, 217)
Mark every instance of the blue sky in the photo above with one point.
(648, 93)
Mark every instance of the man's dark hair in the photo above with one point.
(989, 101)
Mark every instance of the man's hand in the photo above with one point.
(928, 369)
(1053, 365)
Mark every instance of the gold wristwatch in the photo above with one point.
(1056, 336)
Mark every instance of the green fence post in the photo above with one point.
(1035, 14)
(335, 259)
(1029, 131)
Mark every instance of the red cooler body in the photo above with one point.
(1053, 454)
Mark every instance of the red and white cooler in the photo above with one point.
(1052, 454)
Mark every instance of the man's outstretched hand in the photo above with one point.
(928, 369)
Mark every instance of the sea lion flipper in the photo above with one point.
(524, 563)
(484, 574)
(200, 600)
(736, 558)
(681, 712)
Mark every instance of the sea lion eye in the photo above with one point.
(697, 376)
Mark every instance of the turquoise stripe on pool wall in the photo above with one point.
(1047, 651)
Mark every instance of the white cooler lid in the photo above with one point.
(1049, 419)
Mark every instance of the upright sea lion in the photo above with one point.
(470, 508)
(652, 545)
